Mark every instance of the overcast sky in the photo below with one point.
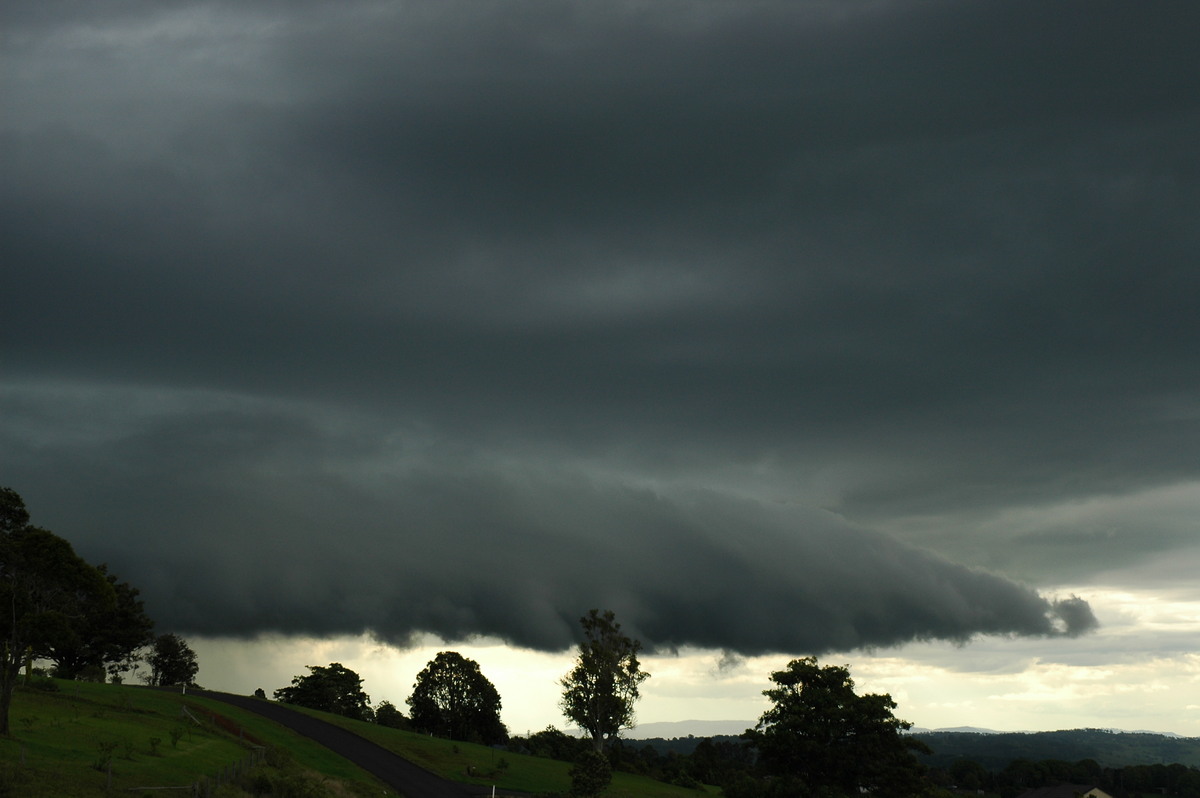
(867, 329)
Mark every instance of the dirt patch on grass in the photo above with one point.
(225, 724)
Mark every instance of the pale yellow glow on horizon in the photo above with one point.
(1007, 684)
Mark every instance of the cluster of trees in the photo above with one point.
(451, 698)
(335, 689)
(84, 620)
(994, 751)
(1021, 775)
(818, 738)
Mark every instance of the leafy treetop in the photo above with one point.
(600, 691)
(452, 698)
(334, 688)
(820, 738)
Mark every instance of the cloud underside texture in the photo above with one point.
(903, 260)
(518, 557)
(257, 542)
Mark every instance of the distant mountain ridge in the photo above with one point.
(711, 728)
(992, 749)
(688, 728)
(980, 730)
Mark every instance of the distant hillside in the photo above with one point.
(1109, 748)
(993, 750)
(688, 728)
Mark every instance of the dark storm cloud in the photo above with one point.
(279, 536)
(913, 262)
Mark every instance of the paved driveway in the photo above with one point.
(408, 779)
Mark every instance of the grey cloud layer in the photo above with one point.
(914, 262)
(269, 530)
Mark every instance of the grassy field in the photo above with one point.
(93, 739)
(479, 764)
(96, 739)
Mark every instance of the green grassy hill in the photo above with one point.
(479, 764)
(97, 739)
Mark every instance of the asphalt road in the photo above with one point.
(403, 776)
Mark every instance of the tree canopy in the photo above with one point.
(600, 691)
(386, 714)
(105, 637)
(172, 662)
(452, 698)
(820, 738)
(46, 591)
(334, 688)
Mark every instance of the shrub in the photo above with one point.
(590, 775)
(43, 683)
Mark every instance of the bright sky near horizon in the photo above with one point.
(1005, 685)
(353, 331)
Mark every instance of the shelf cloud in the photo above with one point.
(778, 327)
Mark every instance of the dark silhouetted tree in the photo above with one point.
(45, 591)
(172, 662)
(600, 691)
(13, 515)
(819, 738)
(104, 637)
(386, 714)
(334, 688)
(452, 698)
(552, 743)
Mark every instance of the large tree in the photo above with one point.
(45, 592)
(600, 691)
(82, 627)
(820, 738)
(452, 698)
(334, 688)
(172, 662)
(126, 631)
(105, 637)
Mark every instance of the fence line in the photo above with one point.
(206, 785)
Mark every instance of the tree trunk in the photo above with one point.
(8, 681)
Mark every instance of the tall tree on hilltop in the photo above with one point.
(335, 689)
(819, 738)
(600, 691)
(45, 591)
(172, 662)
(452, 698)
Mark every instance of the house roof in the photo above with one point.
(1067, 791)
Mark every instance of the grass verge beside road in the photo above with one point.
(86, 739)
(486, 766)
(93, 739)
